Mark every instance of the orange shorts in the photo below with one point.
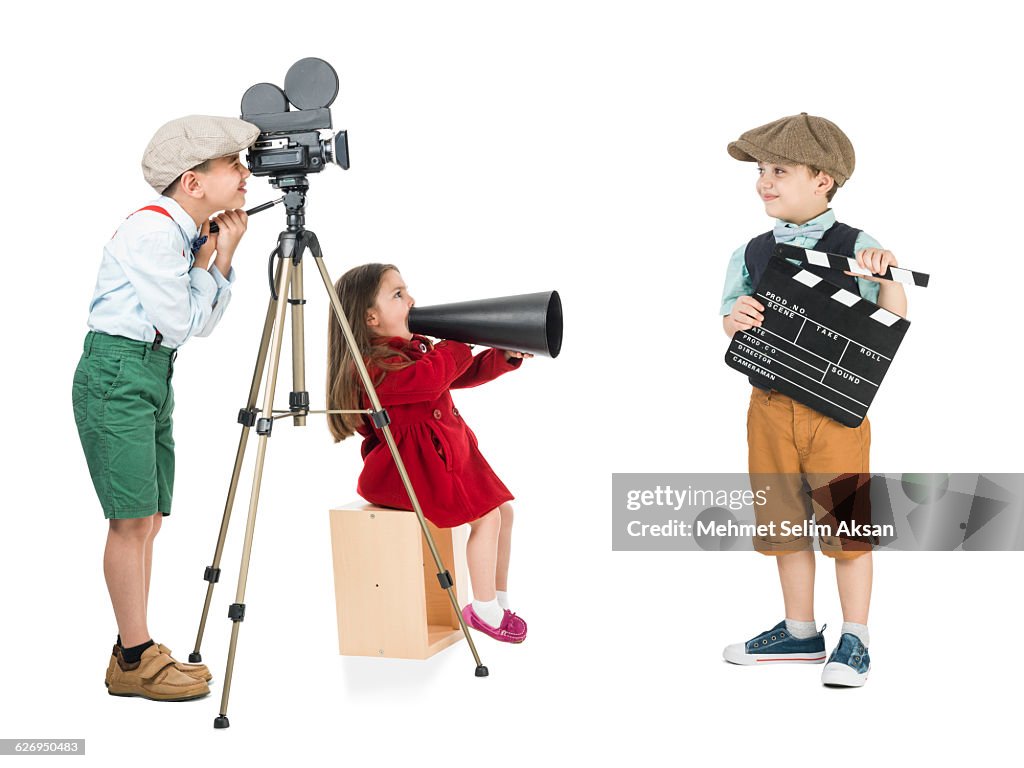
(815, 474)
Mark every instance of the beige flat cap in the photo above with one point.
(188, 141)
(799, 140)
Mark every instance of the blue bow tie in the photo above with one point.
(784, 233)
(198, 243)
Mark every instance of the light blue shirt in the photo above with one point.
(147, 282)
(737, 279)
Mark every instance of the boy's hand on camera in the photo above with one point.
(875, 260)
(746, 314)
(232, 226)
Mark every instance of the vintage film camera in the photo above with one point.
(290, 144)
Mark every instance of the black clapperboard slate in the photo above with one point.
(819, 343)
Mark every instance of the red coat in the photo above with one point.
(452, 480)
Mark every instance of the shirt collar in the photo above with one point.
(826, 219)
(180, 216)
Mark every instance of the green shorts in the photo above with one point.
(123, 403)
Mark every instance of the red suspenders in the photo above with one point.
(156, 209)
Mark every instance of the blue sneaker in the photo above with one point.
(777, 645)
(848, 665)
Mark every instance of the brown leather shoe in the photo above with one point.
(155, 676)
(198, 671)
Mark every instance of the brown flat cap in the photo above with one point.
(188, 141)
(799, 140)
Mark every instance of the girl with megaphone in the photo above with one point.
(413, 377)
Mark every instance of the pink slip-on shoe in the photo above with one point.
(511, 630)
(516, 625)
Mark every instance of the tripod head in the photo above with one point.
(294, 188)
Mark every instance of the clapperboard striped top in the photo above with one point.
(849, 299)
(821, 344)
(849, 264)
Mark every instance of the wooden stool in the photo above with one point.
(385, 582)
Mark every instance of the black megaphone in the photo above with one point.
(531, 322)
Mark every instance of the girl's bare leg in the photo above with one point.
(504, 547)
(482, 554)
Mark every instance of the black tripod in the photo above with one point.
(286, 289)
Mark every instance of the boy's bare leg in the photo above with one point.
(853, 576)
(482, 554)
(504, 547)
(796, 574)
(124, 567)
(157, 522)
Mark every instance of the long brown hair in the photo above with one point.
(357, 289)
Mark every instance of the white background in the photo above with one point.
(503, 149)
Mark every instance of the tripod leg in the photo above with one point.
(299, 398)
(237, 610)
(443, 576)
(246, 418)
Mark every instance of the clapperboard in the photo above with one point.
(820, 344)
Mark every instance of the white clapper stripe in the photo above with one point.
(857, 269)
(902, 275)
(885, 317)
(843, 296)
(818, 258)
(808, 279)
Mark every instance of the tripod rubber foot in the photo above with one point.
(221, 722)
(481, 671)
(195, 658)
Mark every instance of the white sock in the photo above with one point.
(489, 611)
(859, 630)
(503, 600)
(801, 629)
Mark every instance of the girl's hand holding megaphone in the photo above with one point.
(509, 354)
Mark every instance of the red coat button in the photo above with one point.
(437, 414)
(455, 411)
(423, 347)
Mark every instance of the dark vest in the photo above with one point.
(838, 238)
